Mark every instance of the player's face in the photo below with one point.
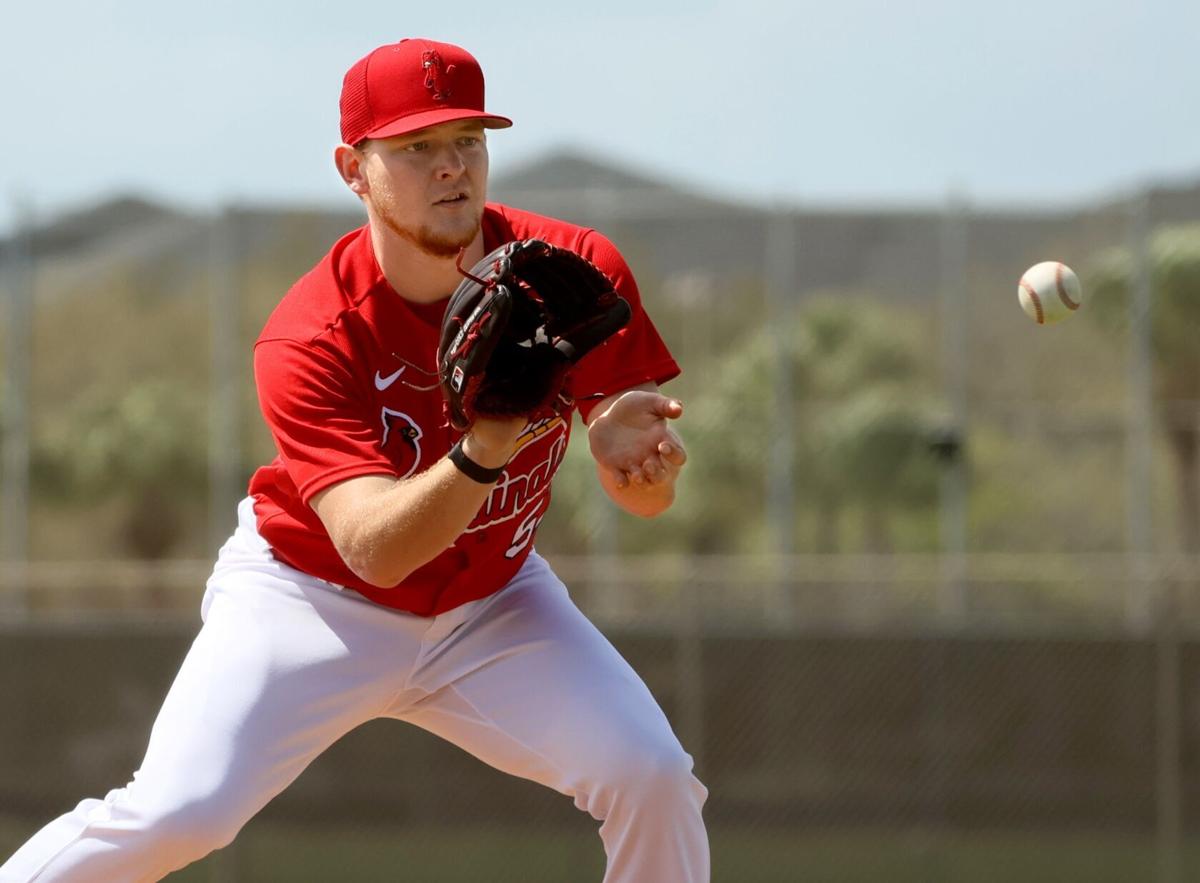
(429, 187)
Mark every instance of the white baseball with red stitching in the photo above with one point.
(1049, 292)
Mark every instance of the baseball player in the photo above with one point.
(383, 564)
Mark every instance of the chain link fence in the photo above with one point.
(928, 607)
(864, 735)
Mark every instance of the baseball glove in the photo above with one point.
(516, 325)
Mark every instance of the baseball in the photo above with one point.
(1049, 292)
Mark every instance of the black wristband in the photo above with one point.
(470, 468)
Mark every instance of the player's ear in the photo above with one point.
(351, 162)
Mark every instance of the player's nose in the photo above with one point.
(450, 162)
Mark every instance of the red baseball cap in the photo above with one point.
(410, 85)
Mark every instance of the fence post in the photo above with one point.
(952, 598)
(1168, 720)
(1139, 509)
(780, 490)
(224, 438)
(689, 659)
(14, 416)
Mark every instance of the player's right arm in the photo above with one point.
(384, 528)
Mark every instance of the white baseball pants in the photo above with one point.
(286, 664)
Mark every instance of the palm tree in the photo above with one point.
(1173, 254)
(860, 439)
(145, 448)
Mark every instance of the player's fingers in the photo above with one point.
(664, 406)
(654, 470)
(672, 453)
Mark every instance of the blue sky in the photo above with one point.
(1042, 102)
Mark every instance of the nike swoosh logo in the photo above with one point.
(382, 383)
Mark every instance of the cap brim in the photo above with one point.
(417, 121)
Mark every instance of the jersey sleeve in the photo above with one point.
(634, 355)
(316, 417)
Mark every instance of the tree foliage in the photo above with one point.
(1173, 272)
(858, 442)
(145, 445)
(1173, 256)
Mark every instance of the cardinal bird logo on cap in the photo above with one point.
(436, 74)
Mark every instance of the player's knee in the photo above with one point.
(660, 774)
(191, 830)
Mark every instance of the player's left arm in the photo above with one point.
(637, 452)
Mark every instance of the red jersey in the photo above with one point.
(343, 368)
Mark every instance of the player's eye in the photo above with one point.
(417, 146)
(470, 141)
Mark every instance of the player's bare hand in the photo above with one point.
(666, 466)
(632, 439)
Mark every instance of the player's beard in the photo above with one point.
(432, 242)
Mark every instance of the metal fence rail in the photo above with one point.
(877, 734)
(1002, 591)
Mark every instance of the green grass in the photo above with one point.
(274, 853)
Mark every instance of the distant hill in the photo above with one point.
(105, 221)
(896, 251)
(664, 229)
